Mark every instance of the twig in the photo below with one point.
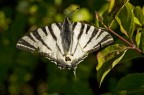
(120, 37)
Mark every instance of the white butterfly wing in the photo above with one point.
(45, 40)
(87, 39)
(48, 42)
(90, 38)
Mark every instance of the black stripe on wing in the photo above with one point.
(92, 36)
(107, 39)
(58, 25)
(29, 35)
(22, 44)
(44, 30)
(74, 25)
(87, 29)
(38, 37)
(52, 32)
(81, 31)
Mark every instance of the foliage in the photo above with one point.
(22, 73)
(129, 22)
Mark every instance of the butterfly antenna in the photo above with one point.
(73, 12)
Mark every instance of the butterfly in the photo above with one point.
(67, 43)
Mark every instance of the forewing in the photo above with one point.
(45, 40)
(91, 38)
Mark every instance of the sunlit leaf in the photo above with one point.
(138, 38)
(111, 5)
(136, 20)
(109, 53)
(125, 19)
(115, 62)
(140, 31)
(116, 6)
(107, 59)
(139, 15)
(121, 26)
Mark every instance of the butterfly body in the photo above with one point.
(67, 43)
(66, 35)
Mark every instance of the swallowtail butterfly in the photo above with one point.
(67, 43)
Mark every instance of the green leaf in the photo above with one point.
(111, 5)
(139, 15)
(138, 38)
(143, 10)
(121, 26)
(137, 22)
(142, 41)
(107, 59)
(109, 53)
(125, 19)
(132, 83)
(115, 7)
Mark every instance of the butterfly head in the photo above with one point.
(66, 21)
(67, 62)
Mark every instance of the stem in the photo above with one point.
(120, 37)
(135, 48)
(111, 23)
(130, 44)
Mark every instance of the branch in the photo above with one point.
(120, 37)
